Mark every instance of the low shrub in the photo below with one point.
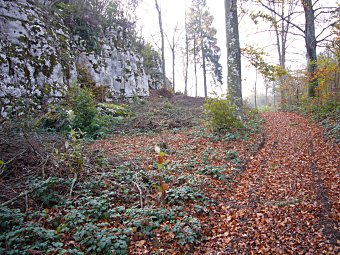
(84, 109)
(79, 112)
(220, 114)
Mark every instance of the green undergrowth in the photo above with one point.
(331, 123)
(115, 206)
(103, 215)
(98, 206)
(326, 114)
(80, 111)
(221, 115)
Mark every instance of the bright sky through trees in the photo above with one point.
(250, 34)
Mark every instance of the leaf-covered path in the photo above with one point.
(287, 201)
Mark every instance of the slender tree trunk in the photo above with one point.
(280, 50)
(204, 73)
(276, 28)
(310, 40)
(281, 31)
(266, 87)
(173, 45)
(274, 94)
(173, 64)
(186, 55)
(234, 54)
(186, 58)
(283, 52)
(195, 65)
(283, 38)
(283, 78)
(255, 91)
(173, 71)
(162, 39)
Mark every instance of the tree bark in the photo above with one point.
(234, 54)
(186, 57)
(162, 39)
(274, 98)
(173, 70)
(195, 65)
(310, 40)
(204, 72)
(173, 47)
(255, 91)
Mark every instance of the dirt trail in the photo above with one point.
(287, 201)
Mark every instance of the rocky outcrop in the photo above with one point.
(40, 57)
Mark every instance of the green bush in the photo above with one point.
(84, 109)
(79, 112)
(220, 114)
(321, 111)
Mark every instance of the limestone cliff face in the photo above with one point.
(40, 57)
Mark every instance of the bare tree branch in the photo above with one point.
(333, 9)
(325, 38)
(272, 30)
(327, 12)
(316, 1)
(324, 29)
(282, 17)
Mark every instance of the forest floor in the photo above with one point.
(287, 199)
(270, 188)
(282, 196)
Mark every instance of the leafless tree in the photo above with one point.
(161, 30)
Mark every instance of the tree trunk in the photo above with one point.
(162, 39)
(266, 87)
(186, 58)
(278, 9)
(274, 94)
(195, 65)
(255, 101)
(173, 63)
(234, 54)
(281, 49)
(204, 72)
(310, 40)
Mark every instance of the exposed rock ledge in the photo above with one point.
(40, 57)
